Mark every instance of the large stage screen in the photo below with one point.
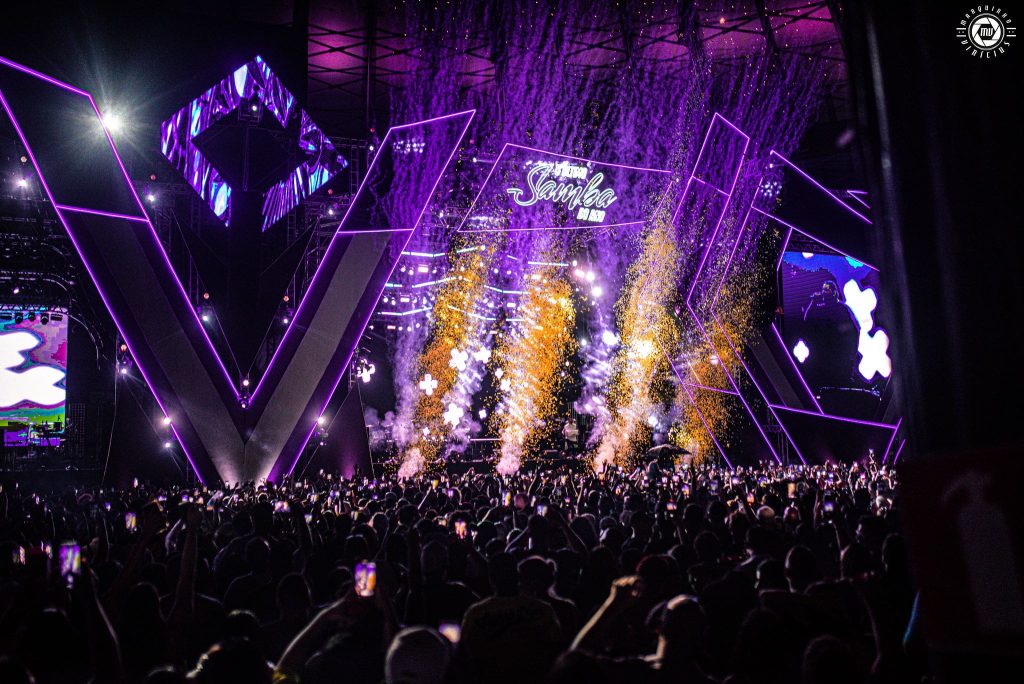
(831, 329)
(33, 375)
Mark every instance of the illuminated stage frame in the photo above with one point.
(244, 416)
(217, 407)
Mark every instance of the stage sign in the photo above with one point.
(530, 189)
(33, 374)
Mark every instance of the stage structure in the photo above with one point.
(233, 433)
(227, 432)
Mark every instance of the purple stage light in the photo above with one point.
(252, 82)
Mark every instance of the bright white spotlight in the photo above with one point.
(113, 122)
(151, 198)
(167, 445)
(321, 421)
(22, 183)
(167, 420)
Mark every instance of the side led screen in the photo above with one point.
(33, 376)
(830, 324)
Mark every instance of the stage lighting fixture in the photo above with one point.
(17, 289)
(31, 315)
(19, 317)
(151, 198)
(24, 159)
(113, 122)
(44, 318)
(123, 370)
(321, 421)
(167, 420)
(167, 445)
(245, 382)
(22, 183)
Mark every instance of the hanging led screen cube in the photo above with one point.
(253, 84)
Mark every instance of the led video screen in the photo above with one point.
(33, 376)
(830, 324)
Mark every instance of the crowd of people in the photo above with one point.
(658, 574)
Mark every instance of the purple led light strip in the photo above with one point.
(822, 187)
(319, 271)
(800, 375)
(96, 212)
(812, 237)
(693, 400)
(471, 113)
(892, 439)
(709, 389)
(857, 421)
(896, 458)
(739, 357)
(674, 219)
(41, 76)
(88, 268)
(700, 271)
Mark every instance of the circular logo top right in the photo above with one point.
(985, 31)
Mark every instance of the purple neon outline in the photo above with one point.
(892, 439)
(348, 211)
(675, 215)
(487, 179)
(856, 195)
(96, 212)
(88, 268)
(202, 329)
(822, 187)
(700, 271)
(859, 421)
(370, 310)
(710, 389)
(709, 185)
(693, 401)
(815, 238)
(800, 375)
(896, 458)
(696, 165)
(728, 339)
(42, 76)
